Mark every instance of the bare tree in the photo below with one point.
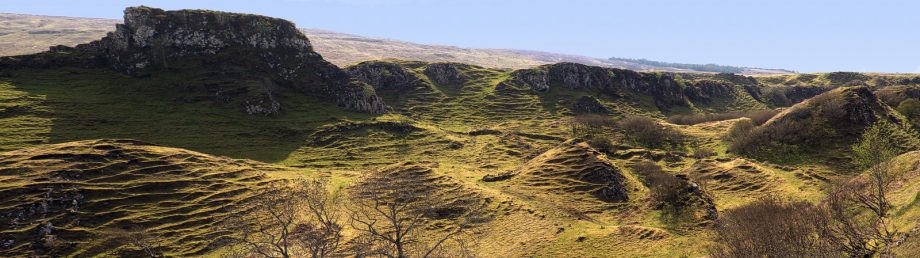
(846, 226)
(390, 212)
(873, 152)
(854, 219)
(288, 219)
(323, 237)
(772, 227)
(858, 210)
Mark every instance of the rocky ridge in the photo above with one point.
(668, 90)
(269, 51)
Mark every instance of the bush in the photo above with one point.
(646, 131)
(668, 192)
(758, 117)
(590, 124)
(600, 143)
(910, 108)
(703, 152)
(773, 228)
(740, 137)
(777, 96)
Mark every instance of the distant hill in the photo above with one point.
(705, 67)
(26, 34)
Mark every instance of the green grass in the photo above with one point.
(467, 131)
(90, 186)
(75, 104)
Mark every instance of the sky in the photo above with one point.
(802, 35)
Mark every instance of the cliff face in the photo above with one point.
(239, 46)
(665, 90)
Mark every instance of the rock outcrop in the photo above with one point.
(240, 46)
(382, 75)
(706, 91)
(444, 73)
(851, 106)
(589, 105)
(840, 114)
(665, 90)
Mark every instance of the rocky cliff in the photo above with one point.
(665, 90)
(271, 52)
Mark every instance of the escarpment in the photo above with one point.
(666, 90)
(270, 52)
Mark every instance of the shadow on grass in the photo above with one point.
(162, 109)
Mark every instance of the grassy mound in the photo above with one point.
(450, 197)
(736, 179)
(57, 197)
(905, 200)
(826, 124)
(575, 173)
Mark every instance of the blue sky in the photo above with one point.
(806, 36)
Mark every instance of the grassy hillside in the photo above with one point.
(469, 130)
(564, 159)
(61, 199)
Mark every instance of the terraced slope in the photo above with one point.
(464, 134)
(576, 174)
(450, 197)
(904, 195)
(827, 123)
(62, 195)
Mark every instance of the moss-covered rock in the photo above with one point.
(383, 75)
(445, 73)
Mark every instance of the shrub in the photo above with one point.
(668, 192)
(646, 131)
(589, 124)
(703, 152)
(910, 108)
(762, 116)
(772, 228)
(740, 137)
(777, 96)
(600, 143)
